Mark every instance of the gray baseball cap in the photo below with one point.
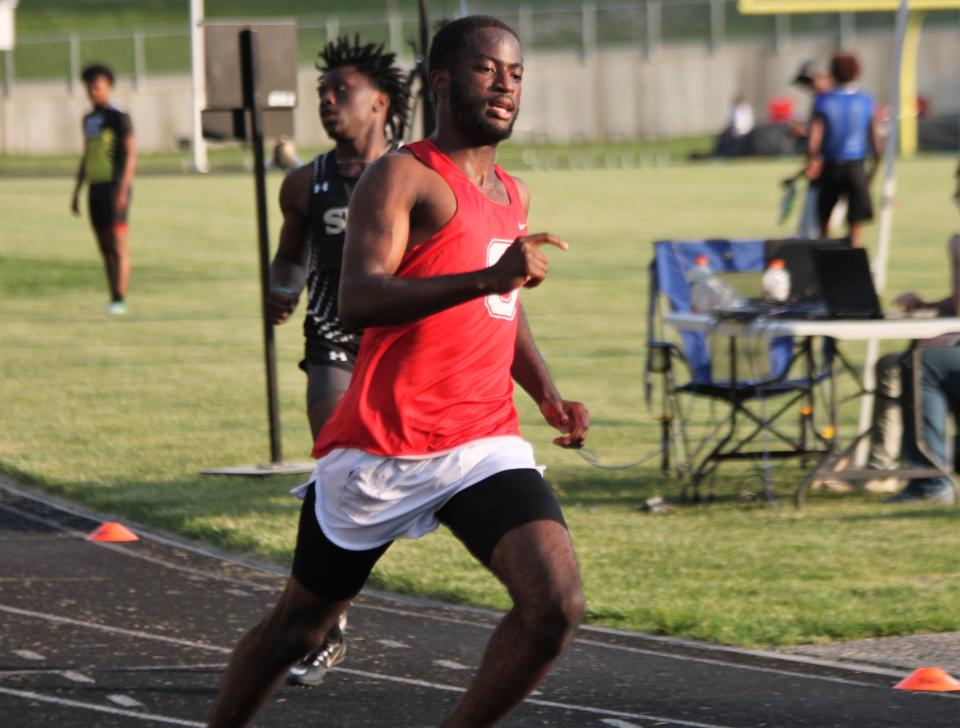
(808, 71)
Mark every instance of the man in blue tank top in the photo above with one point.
(843, 133)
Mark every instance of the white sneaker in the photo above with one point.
(115, 308)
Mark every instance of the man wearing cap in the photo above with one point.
(813, 78)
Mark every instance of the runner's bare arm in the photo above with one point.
(129, 169)
(530, 371)
(815, 148)
(288, 272)
(395, 188)
(75, 198)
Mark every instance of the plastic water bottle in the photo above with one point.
(701, 296)
(706, 291)
(776, 281)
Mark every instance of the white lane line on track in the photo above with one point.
(732, 665)
(192, 667)
(40, 698)
(211, 553)
(450, 664)
(124, 701)
(653, 653)
(617, 723)
(340, 669)
(530, 701)
(393, 644)
(62, 506)
(29, 655)
(77, 677)
(127, 552)
(113, 630)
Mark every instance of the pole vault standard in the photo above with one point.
(248, 79)
(247, 122)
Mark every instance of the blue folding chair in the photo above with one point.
(741, 433)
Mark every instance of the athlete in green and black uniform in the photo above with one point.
(108, 163)
(363, 95)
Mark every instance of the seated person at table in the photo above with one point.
(939, 389)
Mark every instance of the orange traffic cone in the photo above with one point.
(113, 532)
(929, 678)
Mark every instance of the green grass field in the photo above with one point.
(121, 414)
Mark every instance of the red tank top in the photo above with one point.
(443, 381)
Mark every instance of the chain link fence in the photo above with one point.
(644, 24)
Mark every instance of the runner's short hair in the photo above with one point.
(451, 38)
(844, 67)
(95, 71)
(370, 60)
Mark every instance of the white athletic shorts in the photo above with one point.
(365, 501)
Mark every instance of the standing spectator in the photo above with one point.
(107, 166)
(843, 132)
(813, 78)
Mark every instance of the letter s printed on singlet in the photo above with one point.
(502, 306)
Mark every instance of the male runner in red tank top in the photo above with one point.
(427, 431)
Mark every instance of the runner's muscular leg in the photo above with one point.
(295, 626)
(326, 386)
(123, 258)
(319, 411)
(536, 563)
(107, 241)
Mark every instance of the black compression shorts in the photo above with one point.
(847, 180)
(102, 201)
(478, 516)
(323, 353)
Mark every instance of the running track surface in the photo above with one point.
(137, 634)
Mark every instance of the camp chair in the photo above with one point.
(715, 368)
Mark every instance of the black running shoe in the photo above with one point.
(311, 669)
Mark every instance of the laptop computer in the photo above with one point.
(846, 283)
(797, 255)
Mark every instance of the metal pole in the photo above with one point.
(139, 60)
(885, 227)
(395, 27)
(525, 26)
(781, 31)
(333, 28)
(198, 86)
(429, 105)
(653, 8)
(717, 24)
(248, 53)
(588, 31)
(8, 74)
(74, 62)
(846, 29)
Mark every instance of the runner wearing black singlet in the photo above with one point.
(328, 343)
(363, 95)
